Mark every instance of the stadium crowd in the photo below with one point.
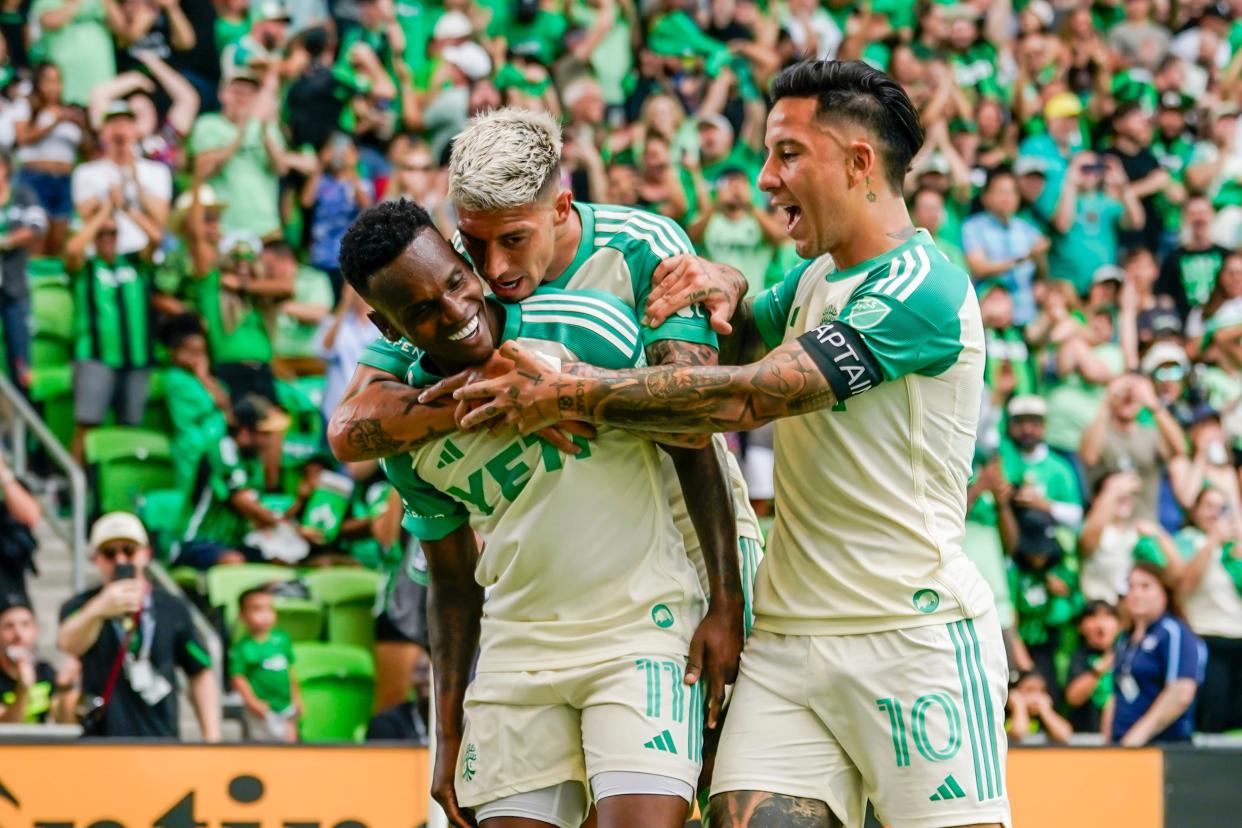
(177, 178)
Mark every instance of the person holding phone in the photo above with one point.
(130, 636)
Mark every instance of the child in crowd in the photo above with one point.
(1031, 711)
(1090, 684)
(261, 667)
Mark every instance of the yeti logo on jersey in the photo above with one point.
(467, 766)
(926, 600)
(867, 313)
(843, 358)
(662, 616)
(829, 314)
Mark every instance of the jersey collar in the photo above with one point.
(920, 237)
(586, 244)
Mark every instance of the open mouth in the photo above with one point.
(466, 331)
(508, 284)
(793, 214)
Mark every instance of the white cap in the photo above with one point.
(1108, 273)
(470, 58)
(1029, 405)
(1163, 353)
(118, 526)
(452, 25)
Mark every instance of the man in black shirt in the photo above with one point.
(1147, 178)
(27, 685)
(130, 636)
(1188, 274)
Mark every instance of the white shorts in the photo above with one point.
(525, 731)
(912, 720)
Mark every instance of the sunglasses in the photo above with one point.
(1169, 373)
(112, 551)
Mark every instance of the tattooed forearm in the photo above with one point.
(710, 398)
(386, 418)
(677, 352)
(760, 809)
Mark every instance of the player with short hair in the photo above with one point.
(876, 670)
(592, 606)
(521, 228)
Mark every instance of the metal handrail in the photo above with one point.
(27, 418)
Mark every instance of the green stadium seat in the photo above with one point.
(188, 578)
(51, 304)
(300, 619)
(348, 593)
(50, 352)
(338, 689)
(163, 512)
(51, 387)
(129, 463)
(225, 584)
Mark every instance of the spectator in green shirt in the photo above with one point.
(75, 36)
(1042, 478)
(198, 403)
(261, 669)
(112, 311)
(297, 318)
(1095, 204)
(732, 230)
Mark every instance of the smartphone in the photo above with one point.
(123, 571)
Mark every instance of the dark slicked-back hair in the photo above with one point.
(853, 91)
(379, 236)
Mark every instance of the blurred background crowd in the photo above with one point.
(176, 176)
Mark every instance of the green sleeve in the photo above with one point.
(238, 661)
(209, 133)
(430, 514)
(392, 357)
(597, 327)
(647, 240)
(1063, 487)
(773, 306)
(228, 474)
(911, 325)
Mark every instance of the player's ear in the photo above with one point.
(563, 205)
(385, 328)
(862, 161)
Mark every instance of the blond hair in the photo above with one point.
(504, 158)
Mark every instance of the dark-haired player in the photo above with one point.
(876, 670)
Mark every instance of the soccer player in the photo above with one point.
(876, 669)
(520, 228)
(592, 602)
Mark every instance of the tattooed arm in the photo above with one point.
(785, 383)
(380, 416)
(454, 608)
(717, 643)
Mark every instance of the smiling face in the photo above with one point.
(512, 249)
(429, 296)
(808, 175)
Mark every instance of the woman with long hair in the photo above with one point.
(1159, 665)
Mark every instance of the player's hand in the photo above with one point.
(527, 397)
(444, 790)
(682, 281)
(715, 651)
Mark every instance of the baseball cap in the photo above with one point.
(1030, 165)
(717, 120)
(452, 25)
(118, 526)
(470, 58)
(1108, 273)
(1164, 321)
(181, 207)
(1027, 405)
(936, 163)
(1164, 353)
(242, 71)
(272, 10)
(119, 108)
(1063, 105)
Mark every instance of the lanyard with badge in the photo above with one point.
(1125, 682)
(143, 679)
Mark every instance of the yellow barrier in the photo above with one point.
(236, 786)
(174, 786)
